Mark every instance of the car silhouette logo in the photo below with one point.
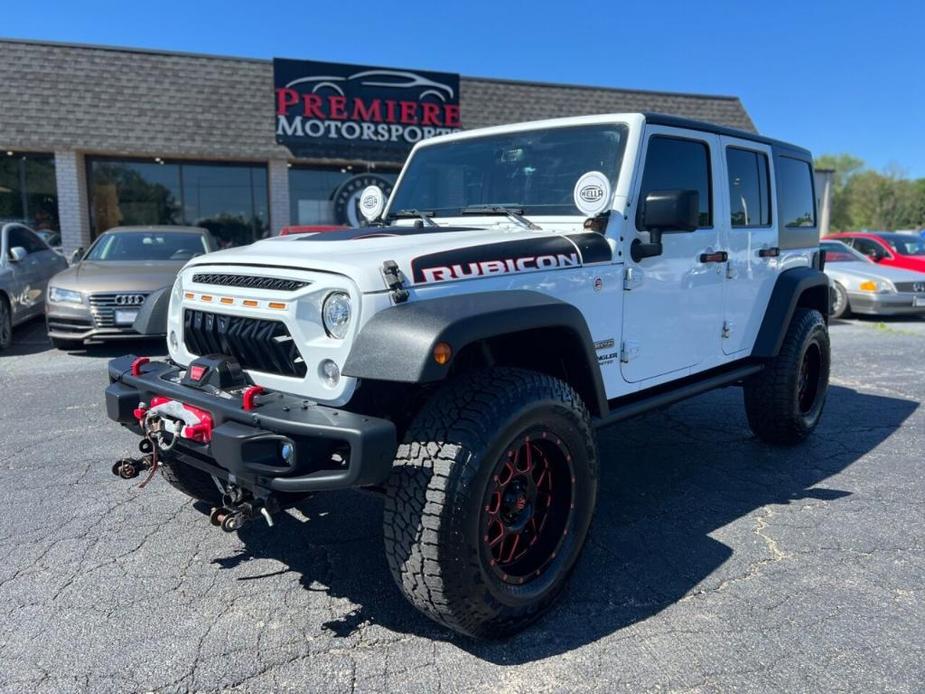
(130, 299)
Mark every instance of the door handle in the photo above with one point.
(769, 252)
(714, 257)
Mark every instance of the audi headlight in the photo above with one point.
(335, 314)
(56, 295)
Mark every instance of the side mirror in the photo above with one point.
(665, 212)
(18, 254)
(76, 255)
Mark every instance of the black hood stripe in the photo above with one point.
(359, 233)
(520, 255)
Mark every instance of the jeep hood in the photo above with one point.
(360, 253)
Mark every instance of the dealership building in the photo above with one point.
(93, 137)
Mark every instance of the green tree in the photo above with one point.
(845, 166)
(878, 201)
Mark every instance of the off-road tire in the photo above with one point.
(436, 541)
(66, 345)
(191, 481)
(784, 401)
(841, 306)
(6, 324)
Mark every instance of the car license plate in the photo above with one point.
(918, 301)
(124, 317)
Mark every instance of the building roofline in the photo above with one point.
(475, 78)
(566, 85)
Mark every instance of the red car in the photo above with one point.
(895, 250)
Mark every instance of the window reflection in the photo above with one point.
(230, 200)
(28, 190)
(322, 196)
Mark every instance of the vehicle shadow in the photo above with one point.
(28, 338)
(669, 479)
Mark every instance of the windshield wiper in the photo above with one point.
(424, 215)
(512, 213)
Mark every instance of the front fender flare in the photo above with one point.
(397, 343)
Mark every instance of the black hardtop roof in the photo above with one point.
(679, 122)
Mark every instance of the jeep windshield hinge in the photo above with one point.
(394, 280)
(629, 350)
(632, 278)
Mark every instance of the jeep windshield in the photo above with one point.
(531, 172)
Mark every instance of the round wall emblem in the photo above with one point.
(348, 196)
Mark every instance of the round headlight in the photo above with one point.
(329, 373)
(335, 313)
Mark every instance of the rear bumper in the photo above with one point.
(901, 303)
(334, 448)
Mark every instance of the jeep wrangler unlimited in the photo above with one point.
(522, 285)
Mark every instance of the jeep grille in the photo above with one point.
(261, 345)
(249, 281)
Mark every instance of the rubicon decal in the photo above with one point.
(493, 267)
(527, 255)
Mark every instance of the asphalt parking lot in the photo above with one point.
(715, 563)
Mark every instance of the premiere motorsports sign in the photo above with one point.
(353, 112)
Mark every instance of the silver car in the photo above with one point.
(98, 298)
(26, 265)
(860, 285)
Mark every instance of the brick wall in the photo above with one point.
(278, 177)
(73, 209)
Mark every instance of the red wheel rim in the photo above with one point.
(528, 506)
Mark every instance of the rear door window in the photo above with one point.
(795, 186)
(749, 187)
(674, 163)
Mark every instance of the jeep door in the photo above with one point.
(673, 303)
(749, 236)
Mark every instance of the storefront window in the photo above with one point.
(230, 200)
(29, 191)
(329, 196)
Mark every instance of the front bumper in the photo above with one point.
(334, 448)
(894, 304)
(77, 323)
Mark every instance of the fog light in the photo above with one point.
(287, 452)
(173, 339)
(329, 373)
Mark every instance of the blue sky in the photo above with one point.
(836, 77)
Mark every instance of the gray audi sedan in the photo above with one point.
(26, 265)
(98, 298)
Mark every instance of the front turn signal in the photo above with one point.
(442, 353)
(869, 286)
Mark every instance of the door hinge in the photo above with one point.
(629, 350)
(632, 278)
(727, 329)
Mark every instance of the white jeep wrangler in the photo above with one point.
(523, 285)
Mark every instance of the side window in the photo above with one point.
(795, 185)
(25, 238)
(676, 164)
(871, 249)
(749, 187)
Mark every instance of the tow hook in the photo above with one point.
(130, 468)
(239, 508)
(232, 519)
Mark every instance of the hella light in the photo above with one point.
(329, 373)
(335, 314)
(56, 295)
